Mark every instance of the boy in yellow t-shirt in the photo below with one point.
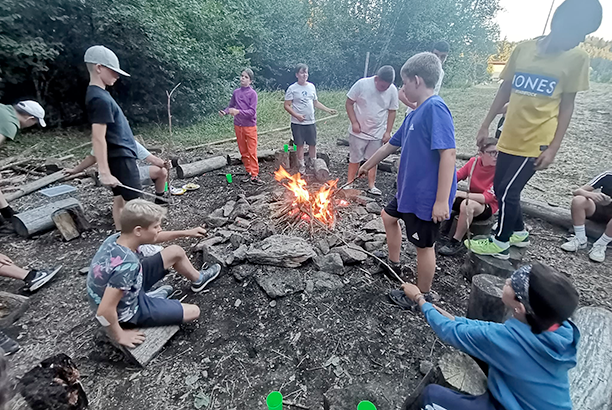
(540, 82)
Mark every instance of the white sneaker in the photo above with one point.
(375, 191)
(573, 245)
(598, 253)
(302, 168)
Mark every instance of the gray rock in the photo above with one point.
(280, 282)
(326, 280)
(242, 209)
(217, 213)
(260, 230)
(238, 256)
(425, 366)
(361, 211)
(362, 239)
(372, 246)
(236, 240)
(323, 246)
(281, 250)
(261, 208)
(84, 271)
(242, 223)
(224, 234)
(228, 208)
(258, 197)
(331, 263)
(363, 200)
(375, 225)
(373, 208)
(241, 272)
(207, 243)
(215, 221)
(309, 285)
(218, 254)
(350, 255)
(380, 237)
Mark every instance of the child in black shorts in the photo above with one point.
(426, 181)
(114, 145)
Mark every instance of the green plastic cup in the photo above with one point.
(166, 187)
(286, 147)
(229, 178)
(275, 401)
(294, 147)
(366, 405)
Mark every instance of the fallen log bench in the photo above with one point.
(11, 308)
(195, 169)
(235, 158)
(39, 220)
(590, 380)
(320, 170)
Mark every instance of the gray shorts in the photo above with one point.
(362, 150)
(145, 175)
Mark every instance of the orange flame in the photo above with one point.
(320, 204)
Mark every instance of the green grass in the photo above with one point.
(468, 106)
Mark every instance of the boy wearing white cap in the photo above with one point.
(114, 145)
(24, 114)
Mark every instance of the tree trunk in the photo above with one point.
(477, 264)
(40, 219)
(198, 168)
(485, 299)
(321, 171)
(36, 185)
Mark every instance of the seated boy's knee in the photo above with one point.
(175, 252)
(163, 172)
(579, 200)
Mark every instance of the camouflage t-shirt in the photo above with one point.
(118, 267)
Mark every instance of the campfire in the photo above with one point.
(307, 205)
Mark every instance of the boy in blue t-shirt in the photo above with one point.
(427, 180)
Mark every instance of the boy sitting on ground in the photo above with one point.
(529, 355)
(118, 279)
(155, 174)
(482, 203)
(597, 206)
(426, 181)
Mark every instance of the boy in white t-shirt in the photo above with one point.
(371, 105)
(300, 101)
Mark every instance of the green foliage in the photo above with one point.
(205, 43)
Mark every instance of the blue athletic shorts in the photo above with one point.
(154, 312)
(440, 398)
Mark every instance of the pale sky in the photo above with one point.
(524, 19)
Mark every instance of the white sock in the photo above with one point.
(603, 240)
(503, 245)
(580, 232)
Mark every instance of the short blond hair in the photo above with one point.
(424, 65)
(139, 212)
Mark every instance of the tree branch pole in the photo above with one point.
(169, 94)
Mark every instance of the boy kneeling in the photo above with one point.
(118, 279)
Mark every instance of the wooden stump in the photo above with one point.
(320, 155)
(39, 220)
(412, 402)
(71, 222)
(482, 227)
(11, 308)
(590, 382)
(462, 373)
(486, 299)
(281, 159)
(477, 264)
(320, 170)
(293, 163)
(198, 168)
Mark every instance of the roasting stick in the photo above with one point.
(129, 188)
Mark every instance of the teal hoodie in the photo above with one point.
(526, 371)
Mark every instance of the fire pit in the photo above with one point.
(305, 205)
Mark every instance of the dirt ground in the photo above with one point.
(305, 344)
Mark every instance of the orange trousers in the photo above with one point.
(247, 144)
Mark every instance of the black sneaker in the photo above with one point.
(37, 278)
(206, 276)
(8, 345)
(451, 248)
(256, 181)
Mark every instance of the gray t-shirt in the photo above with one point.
(303, 98)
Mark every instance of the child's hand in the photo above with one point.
(197, 232)
(598, 197)
(222, 113)
(356, 127)
(109, 180)
(363, 171)
(233, 112)
(440, 211)
(412, 291)
(131, 338)
(333, 112)
(5, 260)
(482, 134)
(386, 137)
(300, 117)
(545, 159)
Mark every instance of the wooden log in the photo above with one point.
(324, 156)
(320, 170)
(66, 225)
(486, 299)
(478, 264)
(264, 155)
(281, 159)
(198, 168)
(40, 219)
(19, 179)
(155, 339)
(35, 185)
(293, 163)
(590, 382)
(11, 308)
(462, 373)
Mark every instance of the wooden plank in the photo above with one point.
(65, 224)
(12, 307)
(590, 382)
(40, 219)
(35, 185)
(155, 340)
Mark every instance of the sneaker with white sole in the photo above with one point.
(8, 345)
(302, 168)
(520, 239)
(574, 245)
(488, 247)
(375, 191)
(37, 278)
(161, 293)
(206, 276)
(597, 253)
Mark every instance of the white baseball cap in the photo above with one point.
(34, 109)
(104, 56)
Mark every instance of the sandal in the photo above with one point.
(256, 181)
(246, 179)
(399, 298)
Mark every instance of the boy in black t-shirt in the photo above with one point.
(597, 206)
(114, 145)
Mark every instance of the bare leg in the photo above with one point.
(13, 271)
(394, 236)
(466, 216)
(312, 152)
(426, 268)
(609, 229)
(159, 177)
(190, 312)
(581, 208)
(372, 177)
(3, 202)
(352, 171)
(175, 257)
(300, 153)
(118, 204)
